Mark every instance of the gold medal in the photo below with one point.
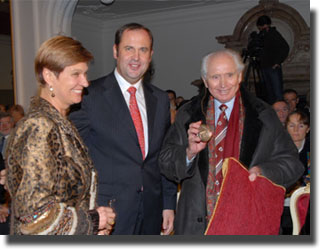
(204, 133)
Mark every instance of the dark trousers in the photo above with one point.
(138, 230)
(286, 222)
(273, 81)
(5, 227)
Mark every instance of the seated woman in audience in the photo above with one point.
(50, 177)
(298, 126)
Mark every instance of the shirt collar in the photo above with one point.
(302, 145)
(124, 84)
(229, 104)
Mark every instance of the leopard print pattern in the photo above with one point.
(47, 163)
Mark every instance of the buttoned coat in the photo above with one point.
(264, 143)
(106, 126)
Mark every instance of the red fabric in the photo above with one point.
(232, 148)
(245, 207)
(136, 117)
(302, 207)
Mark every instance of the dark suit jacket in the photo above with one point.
(105, 123)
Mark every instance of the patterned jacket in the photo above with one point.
(50, 176)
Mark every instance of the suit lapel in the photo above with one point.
(117, 104)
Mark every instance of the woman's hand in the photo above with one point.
(4, 213)
(3, 177)
(106, 220)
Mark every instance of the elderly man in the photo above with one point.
(253, 135)
(282, 109)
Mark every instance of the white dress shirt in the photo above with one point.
(124, 86)
(217, 110)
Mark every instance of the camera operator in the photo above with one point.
(274, 51)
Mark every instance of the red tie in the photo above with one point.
(220, 136)
(136, 117)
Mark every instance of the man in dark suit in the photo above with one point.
(124, 153)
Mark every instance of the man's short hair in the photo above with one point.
(235, 56)
(290, 91)
(131, 26)
(18, 108)
(172, 92)
(281, 100)
(263, 20)
(5, 114)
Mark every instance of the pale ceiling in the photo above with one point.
(125, 8)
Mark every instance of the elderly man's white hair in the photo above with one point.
(235, 55)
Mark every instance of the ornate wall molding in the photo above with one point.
(296, 68)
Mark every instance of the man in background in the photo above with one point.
(274, 51)
(282, 109)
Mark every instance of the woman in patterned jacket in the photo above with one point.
(50, 176)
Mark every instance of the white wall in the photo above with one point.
(34, 21)
(182, 38)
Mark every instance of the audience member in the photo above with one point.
(124, 138)
(291, 97)
(4, 204)
(274, 50)
(173, 105)
(17, 113)
(3, 108)
(179, 99)
(181, 103)
(298, 126)
(50, 176)
(282, 109)
(253, 135)
(6, 125)
(198, 83)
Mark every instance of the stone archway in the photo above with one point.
(296, 69)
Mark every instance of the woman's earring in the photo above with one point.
(51, 90)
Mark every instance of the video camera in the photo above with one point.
(255, 45)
